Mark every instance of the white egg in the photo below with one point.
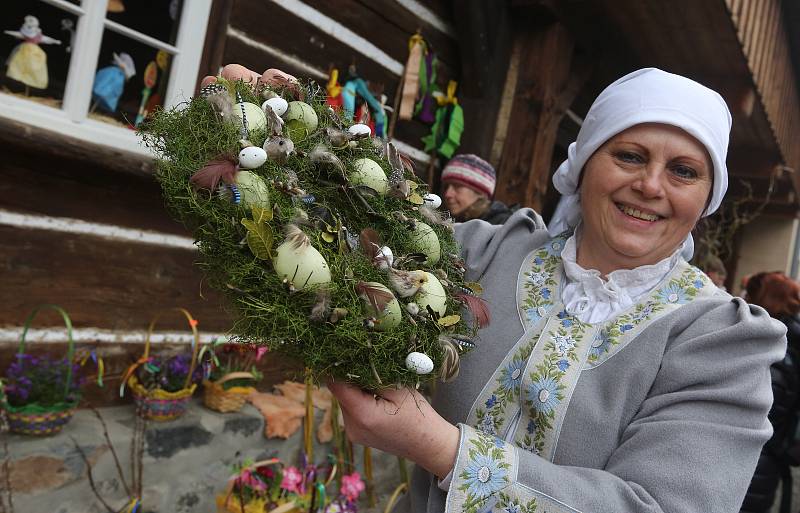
(385, 258)
(278, 105)
(360, 129)
(252, 157)
(370, 174)
(419, 363)
(256, 119)
(432, 200)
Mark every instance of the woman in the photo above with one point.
(468, 184)
(779, 295)
(616, 378)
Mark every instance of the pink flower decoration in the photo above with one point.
(246, 478)
(352, 486)
(261, 351)
(292, 480)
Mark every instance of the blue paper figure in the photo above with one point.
(109, 82)
(356, 85)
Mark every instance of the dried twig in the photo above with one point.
(91, 477)
(111, 447)
(7, 496)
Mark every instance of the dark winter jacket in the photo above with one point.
(777, 455)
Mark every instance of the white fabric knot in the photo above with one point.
(592, 299)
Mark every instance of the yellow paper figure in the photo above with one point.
(27, 62)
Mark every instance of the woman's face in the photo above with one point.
(641, 194)
(459, 197)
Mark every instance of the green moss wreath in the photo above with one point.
(297, 242)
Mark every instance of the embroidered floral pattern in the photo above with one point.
(540, 281)
(546, 390)
(677, 291)
(508, 504)
(485, 473)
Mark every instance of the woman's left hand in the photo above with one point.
(399, 422)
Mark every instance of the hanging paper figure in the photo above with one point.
(109, 82)
(69, 26)
(27, 62)
(115, 6)
(426, 107)
(356, 85)
(150, 77)
(334, 89)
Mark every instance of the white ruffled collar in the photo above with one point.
(593, 299)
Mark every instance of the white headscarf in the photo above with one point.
(648, 95)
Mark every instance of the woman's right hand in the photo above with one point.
(234, 72)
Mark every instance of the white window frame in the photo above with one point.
(72, 118)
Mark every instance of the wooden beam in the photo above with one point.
(214, 47)
(549, 79)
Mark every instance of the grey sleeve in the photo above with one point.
(480, 240)
(692, 446)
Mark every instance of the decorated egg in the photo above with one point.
(256, 119)
(425, 240)
(419, 363)
(301, 120)
(432, 200)
(252, 157)
(304, 266)
(391, 314)
(278, 105)
(252, 189)
(431, 293)
(370, 174)
(360, 129)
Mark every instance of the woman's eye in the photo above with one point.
(629, 157)
(682, 171)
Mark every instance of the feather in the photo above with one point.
(275, 122)
(377, 298)
(322, 156)
(322, 307)
(408, 164)
(451, 361)
(370, 243)
(477, 307)
(222, 168)
(222, 104)
(396, 163)
(433, 216)
(296, 237)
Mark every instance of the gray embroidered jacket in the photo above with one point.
(661, 409)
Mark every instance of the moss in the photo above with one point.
(265, 311)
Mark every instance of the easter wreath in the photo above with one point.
(329, 249)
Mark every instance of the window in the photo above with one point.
(85, 86)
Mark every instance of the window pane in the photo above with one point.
(35, 56)
(155, 18)
(126, 84)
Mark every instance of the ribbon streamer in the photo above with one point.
(416, 49)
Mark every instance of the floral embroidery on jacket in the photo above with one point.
(486, 471)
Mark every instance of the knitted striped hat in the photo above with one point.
(472, 171)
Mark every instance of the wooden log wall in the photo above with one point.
(309, 37)
(85, 227)
(763, 36)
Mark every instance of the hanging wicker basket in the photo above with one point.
(216, 397)
(158, 404)
(36, 419)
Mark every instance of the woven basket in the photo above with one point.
(33, 418)
(229, 503)
(218, 399)
(158, 404)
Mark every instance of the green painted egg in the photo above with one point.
(256, 119)
(370, 174)
(304, 267)
(391, 315)
(432, 294)
(301, 120)
(424, 240)
(253, 189)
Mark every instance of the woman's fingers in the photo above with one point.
(277, 77)
(235, 72)
(272, 76)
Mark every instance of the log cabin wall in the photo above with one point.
(84, 226)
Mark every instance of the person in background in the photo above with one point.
(468, 184)
(780, 296)
(715, 270)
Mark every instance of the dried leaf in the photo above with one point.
(282, 415)
(449, 320)
(259, 239)
(262, 215)
(415, 198)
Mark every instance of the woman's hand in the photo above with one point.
(234, 72)
(399, 422)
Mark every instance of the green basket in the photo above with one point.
(33, 418)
